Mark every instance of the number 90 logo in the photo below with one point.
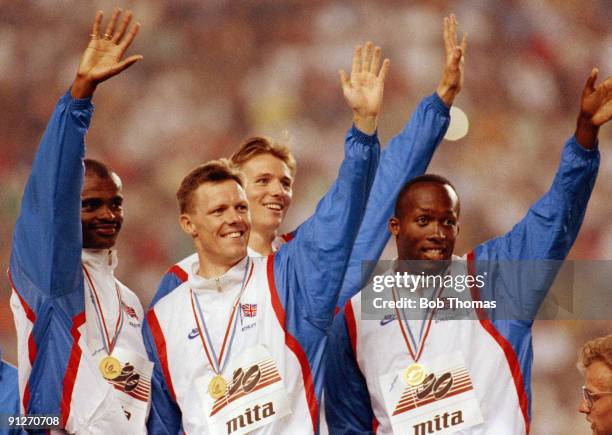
(436, 386)
(245, 380)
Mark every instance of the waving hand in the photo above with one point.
(103, 57)
(452, 75)
(595, 109)
(363, 91)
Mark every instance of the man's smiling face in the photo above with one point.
(220, 221)
(427, 225)
(269, 191)
(101, 211)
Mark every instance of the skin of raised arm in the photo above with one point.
(102, 58)
(595, 109)
(452, 75)
(363, 90)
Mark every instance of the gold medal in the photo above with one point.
(414, 374)
(110, 367)
(217, 387)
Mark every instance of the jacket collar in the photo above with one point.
(100, 259)
(228, 281)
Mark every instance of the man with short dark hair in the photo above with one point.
(595, 363)
(238, 347)
(211, 172)
(426, 372)
(269, 171)
(81, 353)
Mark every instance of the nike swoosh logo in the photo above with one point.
(193, 334)
(387, 319)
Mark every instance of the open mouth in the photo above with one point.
(434, 253)
(233, 235)
(274, 206)
(106, 230)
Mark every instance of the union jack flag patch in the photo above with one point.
(249, 310)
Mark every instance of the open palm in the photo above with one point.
(363, 91)
(596, 102)
(103, 56)
(452, 75)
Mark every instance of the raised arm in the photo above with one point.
(407, 156)
(551, 225)
(47, 243)
(308, 271)
(45, 269)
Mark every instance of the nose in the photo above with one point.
(107, 213)
(276, 188)
(437, 232)
(234, 216)
(583, 408)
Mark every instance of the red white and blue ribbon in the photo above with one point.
(218, 363)
(109, 344)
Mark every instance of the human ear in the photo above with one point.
(187, 225)
(394, 226)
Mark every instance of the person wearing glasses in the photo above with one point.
(595, 363)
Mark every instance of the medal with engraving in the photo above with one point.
(110, 366)
(217, 387)
(414, 374)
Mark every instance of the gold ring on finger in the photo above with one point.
(107, 36)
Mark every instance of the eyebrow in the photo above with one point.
(97, 197)
(428, 210)
(269, 174)
(214, 208)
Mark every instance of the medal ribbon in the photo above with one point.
(218, 364)
(109, 344)
(418, 349)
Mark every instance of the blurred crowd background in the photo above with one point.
(217, 71)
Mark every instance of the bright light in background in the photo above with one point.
(459, 124)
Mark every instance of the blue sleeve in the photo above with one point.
(347, 401)
(165, 415)
(546, 233)
(407, 156)
(309, 270)
(45, 264)
(46, 255)
(518, 264)
(169, 282)
(9, 395)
